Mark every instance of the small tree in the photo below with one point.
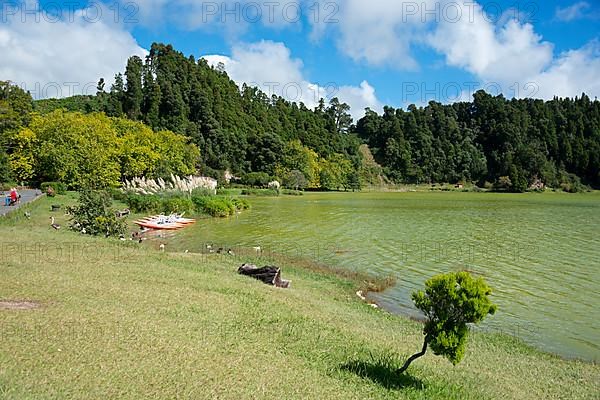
(295, 180)
(450, 302)
(93, 215)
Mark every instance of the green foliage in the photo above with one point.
(487, 139)
(207, 192)
(93, 215)
(79, 103)
(571, 183)
(518, 179)
(93, 150)
(260, 192)
(199, 202)
(15, 112)
(297, 157)
(5, 171)
(287, 192)
(218, 206)
(238, 129)
(177, 204)
(241, 204)
(335, 173)
(133, 96)
(257, 179)
(295, 179)
(144, 203)
(15, 107)
(450, 302)
(57, 187)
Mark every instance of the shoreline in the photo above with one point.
(365, 284)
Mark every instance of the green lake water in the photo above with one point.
(539, 252)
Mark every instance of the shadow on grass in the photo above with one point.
(383, 372)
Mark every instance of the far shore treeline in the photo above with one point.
(171, 114)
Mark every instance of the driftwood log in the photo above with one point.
(269, 275)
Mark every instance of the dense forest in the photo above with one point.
(493, 142)
(511, 144)
(237, 129)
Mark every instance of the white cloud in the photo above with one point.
(572, 12)
(270, 66)
(514, 59)
(500, 51)
(501, 54)
(378, 32)
(572, 73)
(61, 56)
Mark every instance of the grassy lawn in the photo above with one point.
(114, 320)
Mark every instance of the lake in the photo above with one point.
(539, 252)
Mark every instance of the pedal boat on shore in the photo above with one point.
(165, 222)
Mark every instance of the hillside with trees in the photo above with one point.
(237, 129)
(499, 144)
(511, 144)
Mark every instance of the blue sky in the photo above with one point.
(368, 53)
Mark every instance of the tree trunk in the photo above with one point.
(414, 357)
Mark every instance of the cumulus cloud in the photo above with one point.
(62, 55)
(271, 67)
(515, 60)
(379, 32)
(501, 54)
(572, 73)
(572, 12)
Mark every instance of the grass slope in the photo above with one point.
(120, 321)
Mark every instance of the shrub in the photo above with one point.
(571, 183)
(93, 215)
(58, 187)
(219, 207)
(228, 192)
(503, 183)
(203, 192)
(172, 205)
(288, 192)
(260, 179)
(241, 204)
(7, 185)
(119, 195)
(144, 203)
(260, 192)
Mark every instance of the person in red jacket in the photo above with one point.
(14, 196)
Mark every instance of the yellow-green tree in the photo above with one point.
(77, 149)
(335, 172)
(96, 150)
(299, 157)
(22, 160)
